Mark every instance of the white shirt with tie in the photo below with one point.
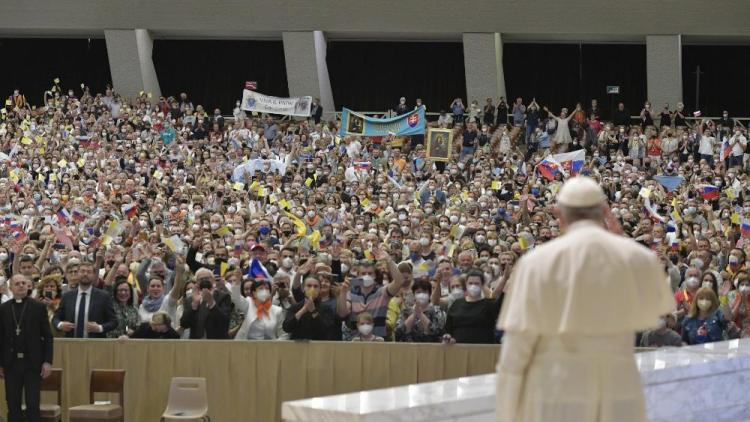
(81, 291)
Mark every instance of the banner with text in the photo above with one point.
(295, 106)
(412, 123)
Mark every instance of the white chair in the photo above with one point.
(187, 400)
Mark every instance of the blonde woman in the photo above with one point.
(705, 322)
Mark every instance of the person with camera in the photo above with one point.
(49, 292)
(206, 311)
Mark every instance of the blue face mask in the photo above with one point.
(264, 230)
(535, 191)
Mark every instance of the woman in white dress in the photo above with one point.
(561, 139)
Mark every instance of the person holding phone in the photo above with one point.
(49, 291)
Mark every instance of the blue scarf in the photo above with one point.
(152, 305)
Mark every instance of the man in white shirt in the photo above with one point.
(353, 147)
(706, 145)
(738, 142)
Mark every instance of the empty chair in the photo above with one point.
(102, 381)
(187, 399)
(51, 412)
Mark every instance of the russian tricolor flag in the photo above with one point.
(78, 215)
(63, 216)
(572, 162)
(745, 228)
(362, 165)
(130, 210)
(257, 270)
(726, 149)
(549, 168)
(709, 192)
(19, 236)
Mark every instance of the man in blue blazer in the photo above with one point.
(85, 312)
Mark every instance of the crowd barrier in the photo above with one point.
(248, 380)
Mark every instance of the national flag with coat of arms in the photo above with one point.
(726, 149)
(256, 270)
(63, 216)
(549, 168)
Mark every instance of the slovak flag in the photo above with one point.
(726, 149)
(257, 270)
(19, 236)
(130, 210)
(709, 192)
(572, 162)
(63, 216)
(549, 168)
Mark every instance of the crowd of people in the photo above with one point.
(155, 218)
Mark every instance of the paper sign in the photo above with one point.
(238, 186)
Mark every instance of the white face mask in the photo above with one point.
(425, 241)
(287, 262)
(344, 268)
(3, 256)
(457, 293)
(365, 329)
(492, 242)
(422, 298)
(692, 282)
(214, 226)
(704, 304)
(474, 290)
(262, 295)
(368, 280)
(707, 285)
(454, 219)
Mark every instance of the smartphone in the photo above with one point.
(58, 246)
(355, 282)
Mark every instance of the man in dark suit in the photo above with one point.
(26, 349)
(86, 312)
(206, 313)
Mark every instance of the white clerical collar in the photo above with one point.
(19, 300)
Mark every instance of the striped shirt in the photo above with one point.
(375, 303)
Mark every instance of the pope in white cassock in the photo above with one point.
(572, 308)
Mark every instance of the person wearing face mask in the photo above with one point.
(739, 304)
(705, 322)
(263, 319)
(735, 261)
(471, 319)
(663, 335)
(685, 296)
(569, 322)
(366, 296)
(365, 325)
(422, 322)
(308, 320)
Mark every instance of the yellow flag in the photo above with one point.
(314, 239)
(238, 186)
(26, 140)
(272, 198)
(261, 191)
(284, 204)
(254, 185)
(365, 202)
(223, 268)
(62, 163)
(53, 177)
(40, 177)
(299, 224)
(222, 231)
(735, 218)
(308, 182)
(495, 185)
(157, 174)
(81, 162)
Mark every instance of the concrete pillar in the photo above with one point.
(483, 64)
(130, 62)
(306, 67)
(664, 70)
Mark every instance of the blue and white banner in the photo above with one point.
(412, 123)
(295, 106)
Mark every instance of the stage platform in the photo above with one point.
(689, 384)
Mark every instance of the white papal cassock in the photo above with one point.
(571, 311)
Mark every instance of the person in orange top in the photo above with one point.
(684, 296)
